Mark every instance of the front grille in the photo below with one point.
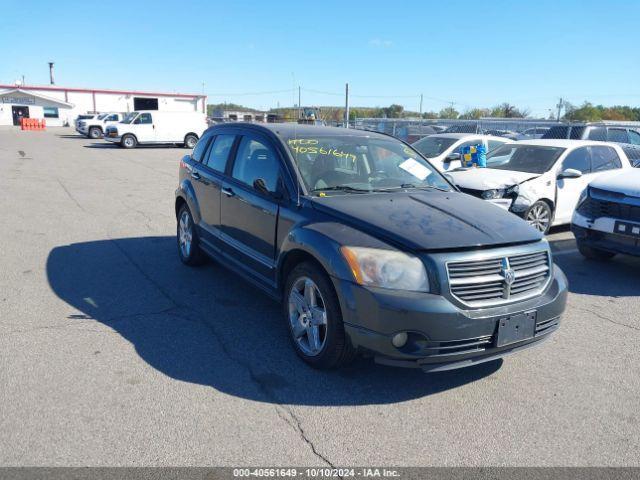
(470, 191)
(457, 347)
(500, 279)
(547, 326)
(594, 208)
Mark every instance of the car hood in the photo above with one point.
(429, 220)
(627, 182)
(489, 178)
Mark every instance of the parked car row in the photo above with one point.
(145, 127)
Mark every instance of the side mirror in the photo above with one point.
(570, 173)
(452, 157)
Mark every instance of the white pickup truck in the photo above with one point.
(96, 126)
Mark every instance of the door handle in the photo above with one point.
(195, 175)
(228, 191)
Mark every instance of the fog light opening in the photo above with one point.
(399, 340)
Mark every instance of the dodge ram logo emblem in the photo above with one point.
(507, 272)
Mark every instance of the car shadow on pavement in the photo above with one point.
(115, 145)
(208, 326)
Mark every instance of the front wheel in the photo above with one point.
(539, 216)
(129, 141)
(95, 133)
(594, 253)
(190, 140)
(312, 312)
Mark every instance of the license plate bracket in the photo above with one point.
(516, 328)
(629, 229)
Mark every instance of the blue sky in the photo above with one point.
(474, 53)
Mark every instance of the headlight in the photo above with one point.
(500, 192)
(386, 269)
(583, 196)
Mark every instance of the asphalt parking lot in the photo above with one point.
(114, 353)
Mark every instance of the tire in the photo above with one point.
(129, 141)
(95, 133)
(539, 216)
(190, 141)
(594, 253)
(333, 348)
(187, 239)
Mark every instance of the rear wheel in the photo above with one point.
(95, 133)
(190, 140)
(313, 314)
(129, 141)
(187, 238)
(539, 216)
(594, 253)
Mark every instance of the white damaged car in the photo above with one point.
(540, 180)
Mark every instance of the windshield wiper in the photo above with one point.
(411, 185)
(343, 188)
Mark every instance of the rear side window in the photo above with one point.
(576, 133)
(604, 158)
(578, 160)
(256, 160)
(598, 133)
(560, 131)
(219, 152)
(618, 135)
(200, 148)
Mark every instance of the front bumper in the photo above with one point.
(112, 137)
(442, 336)
(601, 234)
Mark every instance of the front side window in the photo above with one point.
(219, 152)
(618, 135)
(431, 147)
(357, 162)
(520, 157)
(604, 158)
(578, 160)
(493, 144)
(634, 137)
(144, 119)
(256, 160)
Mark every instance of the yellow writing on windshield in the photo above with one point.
(310, 146)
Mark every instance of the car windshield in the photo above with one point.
(128, 118)
(361, 163)
(524, 158)
(431, 146)
(102, 116)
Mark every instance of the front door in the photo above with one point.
(569, 189)
(19, 113)
(249, 210)
(145, 129)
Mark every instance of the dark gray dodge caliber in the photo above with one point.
(367, 246)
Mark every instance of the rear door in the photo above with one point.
(569, 189)
(249, 209)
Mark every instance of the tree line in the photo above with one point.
(587, 112)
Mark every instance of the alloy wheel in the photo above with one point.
(307, 316)
(539, 217)
(185, 234)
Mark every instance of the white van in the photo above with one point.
(156, 127)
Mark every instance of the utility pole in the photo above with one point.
(346, 105)
(299, 105)
(560, 105)
(421, 105)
